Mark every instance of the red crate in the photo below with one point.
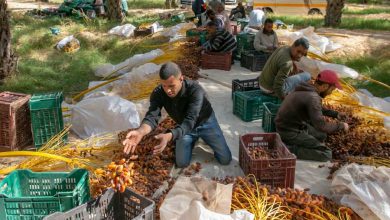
(15, 124)
(215, 60)
(274, 172)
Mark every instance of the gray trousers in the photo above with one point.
(307, 144)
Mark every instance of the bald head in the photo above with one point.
(169, 69)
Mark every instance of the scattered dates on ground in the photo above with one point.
(362, 139)
(190, 60)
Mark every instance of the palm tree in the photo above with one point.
(334, 11)
(8, 58)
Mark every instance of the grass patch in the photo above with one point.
(373, 66)
(366, 11)
(42, 68)
(346, 22)
(145, 4)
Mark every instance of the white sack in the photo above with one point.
(188, 189)
(126, 30)
(96, 116)
(197, 211)
(178, 31)
(318, 44)
(66, 40)
(363, 186)
(128, 64)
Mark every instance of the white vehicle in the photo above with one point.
(291, 7)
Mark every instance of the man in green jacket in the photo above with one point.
(275, 78)
(300, 120)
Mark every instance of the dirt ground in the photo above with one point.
(357, 42)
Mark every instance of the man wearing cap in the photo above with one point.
(186, 103)
(300, 120)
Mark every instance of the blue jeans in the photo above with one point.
(293, 81)
(212, 134)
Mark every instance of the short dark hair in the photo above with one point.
(268, 21)
(210, 12)
(302, 42)
(169, 69)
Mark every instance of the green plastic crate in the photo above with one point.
(32, 195)
(248, 105)
(269, 114)
(245, 43)
(46, 116)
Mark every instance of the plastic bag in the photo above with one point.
(365, 187)
(97, 116)
(128, 64)
(214, 196)
(66, 40)
(126, 30)
(197, 211)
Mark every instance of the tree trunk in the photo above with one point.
(334, 10)
(114, 10)
(167, 4)
(8, 58)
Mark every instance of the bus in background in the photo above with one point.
(291, 7)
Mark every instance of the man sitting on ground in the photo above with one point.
(266, 40)
(275, 78)
(186, 103)
(300, 120)
(220, 40)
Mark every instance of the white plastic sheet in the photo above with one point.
(128, 64)
(365, 189)
(178, 31)
(124, 86)
(367, 99)
(126, 30)
(66, 40)
(315, 66)
(97, 116)
(214, 196)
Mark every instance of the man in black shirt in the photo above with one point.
(187, 104)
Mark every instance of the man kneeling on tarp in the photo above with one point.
(300, 120)
(186, 103)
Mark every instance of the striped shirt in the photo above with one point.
(223, 41)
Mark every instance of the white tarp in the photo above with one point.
(197, 211)
(128, 64)
(126, 30)
(97, 116)
(365, 189)
(367, 99)
(178, 31)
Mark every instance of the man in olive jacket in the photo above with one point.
(276, 78)
(300, 120)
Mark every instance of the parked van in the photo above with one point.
(292, 7)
